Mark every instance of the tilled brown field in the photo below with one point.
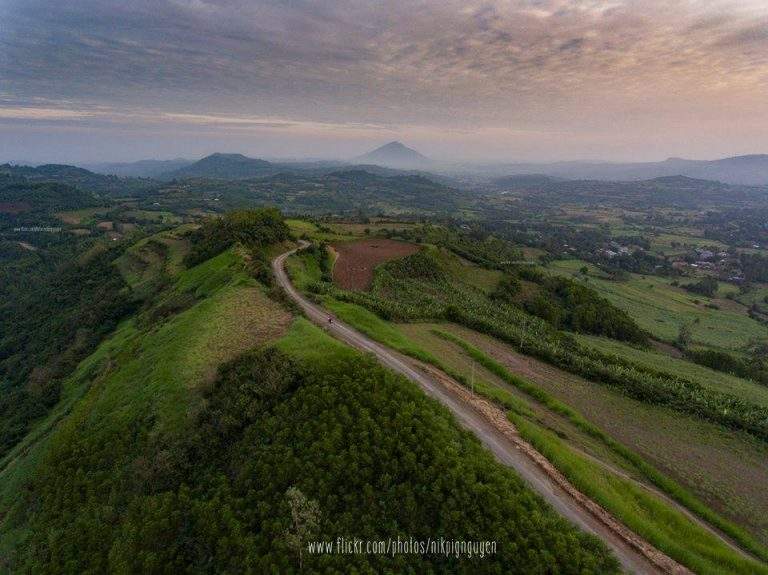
(356, 260)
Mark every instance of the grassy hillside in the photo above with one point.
(139, 382)
(663, 309)
(186, 440)
(117, 493)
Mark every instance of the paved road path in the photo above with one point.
(504, 450)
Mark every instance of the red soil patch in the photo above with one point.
(356, 260)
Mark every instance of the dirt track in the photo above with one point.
(493, 429)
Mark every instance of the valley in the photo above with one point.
(590, 355)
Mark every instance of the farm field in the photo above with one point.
(725, 469)
(372, 227)
(356, 260)
(662, 309)
(82, 217)
(469, 273)
(717, 380)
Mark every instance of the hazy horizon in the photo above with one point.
(499, 81)
(447, 162)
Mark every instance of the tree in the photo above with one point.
(684, 337)
(305, 518)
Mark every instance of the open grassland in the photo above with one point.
(663, 309)
(299, 227)
(717, 380)
(662, 243)
(152, 216)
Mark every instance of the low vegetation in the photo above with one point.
(416, 288)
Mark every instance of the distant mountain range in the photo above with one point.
(140, 169)
(389, 159)
(664, 191)
(740, 170)
(395, 155)
(750, 170)
(215, 166)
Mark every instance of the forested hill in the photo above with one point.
(225, 167)
(78, 177)
(19, 197)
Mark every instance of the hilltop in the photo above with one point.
(224, 166)
(394, 155)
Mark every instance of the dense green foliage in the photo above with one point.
(473, 244)
(20, 200)
(567, 304)
(252, 228)
(729, 363)
(48, 325)
(78, 178)
(378, 457)
(706, 286)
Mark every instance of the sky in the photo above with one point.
(500, 80)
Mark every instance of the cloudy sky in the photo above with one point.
(98, 80)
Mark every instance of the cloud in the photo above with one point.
(9, 113)
(363, 65)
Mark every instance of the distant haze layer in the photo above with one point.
(512, 80)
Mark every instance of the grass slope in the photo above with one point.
(662, 309)
(139, 384)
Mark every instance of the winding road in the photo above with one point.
(506, 451)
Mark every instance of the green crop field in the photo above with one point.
(662, 309)
(482, 278)
(748, 390)
(723, 468)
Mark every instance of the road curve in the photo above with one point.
(500, 445)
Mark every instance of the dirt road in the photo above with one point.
(506, 450)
